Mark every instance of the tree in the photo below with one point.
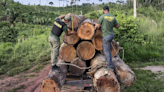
(12, 16)
(51, 3)
(4, 4)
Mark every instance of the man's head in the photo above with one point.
(105, 9)
(66, 19)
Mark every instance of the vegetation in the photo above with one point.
(24, 31)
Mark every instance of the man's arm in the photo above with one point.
(97, 26)
(62, 16)
(117, 26)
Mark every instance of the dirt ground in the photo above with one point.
(31, 81)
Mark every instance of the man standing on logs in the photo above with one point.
(54, 40)
(107, 22)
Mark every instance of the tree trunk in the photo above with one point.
(85, 50)
(55, 80)
(125, 75)
(86, 30)
(71, 39)
(67, 52)
(97, 40)
(104, 80)
(77, 20)
(95, 20)
(76, 71)
(134, 7)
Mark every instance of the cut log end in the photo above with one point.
(76, 71)
(105, 81)
(67, 52)
(49, 85)
(114, 48)
(71, 39)
(86, 31)
(86, 50)
(97, 40)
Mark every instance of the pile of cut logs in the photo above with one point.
(84, 49)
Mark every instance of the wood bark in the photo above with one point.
(85, 50)
(55, 80)
(77, 20)
(104, 79)
(86, 30)
(97, 40)
(76, 71)
(67, 52)
(124, 73)
(95, 20)
(71, 39)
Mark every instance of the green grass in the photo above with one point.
(37, 69)
(144, 64)
(146, 82)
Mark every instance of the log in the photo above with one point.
(124, 73)
(95, 20)
(104, 79)
(71, 39)
(76, 71)
(114, 48)
(85, 50)
(55, 80)
(77, 20)
(67, 52)
(97, 40)
(86, 30)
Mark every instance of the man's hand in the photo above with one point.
(97, 26)
(117, 26)
(68, 34)
(69, 14)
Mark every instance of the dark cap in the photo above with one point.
(105, 8)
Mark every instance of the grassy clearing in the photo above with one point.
(146, 82)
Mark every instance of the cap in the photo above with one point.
(67, 18)
(105, 8)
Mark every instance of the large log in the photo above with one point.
(76, 71)
(86, 30)
(124, 73)
(95, 20)
(67, 52)
(104, 79)
(71, 39)
(77, 20)
(97, 40)
(55, 80)
(85, 50)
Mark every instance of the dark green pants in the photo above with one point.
(54, 45)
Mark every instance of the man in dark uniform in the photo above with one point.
(54, 38)
(107, 22)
